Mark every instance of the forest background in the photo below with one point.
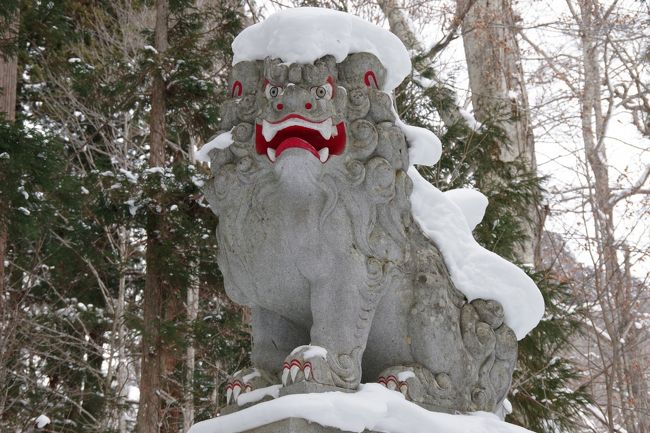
(112, 311)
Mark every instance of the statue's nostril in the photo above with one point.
(308, 105)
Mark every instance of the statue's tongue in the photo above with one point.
(295, 142)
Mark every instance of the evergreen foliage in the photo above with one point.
(79, 205)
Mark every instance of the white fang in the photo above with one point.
(323, 154)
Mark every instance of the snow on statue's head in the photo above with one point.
(316, 233)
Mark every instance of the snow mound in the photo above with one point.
(304, 35)
(221, 141)
(471, 202)
(373, 407)
(311, 351)
(42, 421)
(425, 147)
(258, 394)
(475, 271)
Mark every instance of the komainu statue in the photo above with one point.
(316, 235)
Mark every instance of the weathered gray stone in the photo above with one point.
(328, 253)
(308, 387)
(296, 425)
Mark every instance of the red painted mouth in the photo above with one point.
(301, 133)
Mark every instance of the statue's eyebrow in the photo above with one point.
(266, 81)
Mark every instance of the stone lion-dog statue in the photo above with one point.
(317, 237)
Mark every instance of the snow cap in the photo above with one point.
(304, 35)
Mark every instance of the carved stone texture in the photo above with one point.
(296, 425)
(316, 236)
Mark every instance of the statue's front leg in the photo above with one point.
(273, 338)
(342, 310)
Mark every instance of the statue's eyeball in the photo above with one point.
(322, 92)
(272, 91)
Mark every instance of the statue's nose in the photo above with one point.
(295, 98)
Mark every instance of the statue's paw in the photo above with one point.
(307, 364)
(245, 381)
(396, 379)
(415, 382)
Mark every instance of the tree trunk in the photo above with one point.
(614, 294)
(150, 412)
(8, 81)
(399, 24)
(497, 84)
(120, 310)
(190, 355)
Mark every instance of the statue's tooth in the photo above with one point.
(325, 129)
(307, 372)
(269, 130)
(324, 153)
(294, 372)
(235, 392)
(335, 130)
(285, 375)
(270, 152)
(228, 395)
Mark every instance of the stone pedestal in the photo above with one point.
(296, 425)
(310, 387)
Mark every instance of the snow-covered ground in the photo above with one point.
(373, 407)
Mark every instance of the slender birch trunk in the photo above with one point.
(626, 391)
(190, 356)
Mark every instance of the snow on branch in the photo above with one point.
(634, 189)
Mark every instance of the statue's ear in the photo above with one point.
(340, 99)
(370, 79)
(362, 70)
(243, 79)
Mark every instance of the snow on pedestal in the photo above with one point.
(373, 408)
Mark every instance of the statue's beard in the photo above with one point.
(298, 171)
(300, 180)
(297, 179)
